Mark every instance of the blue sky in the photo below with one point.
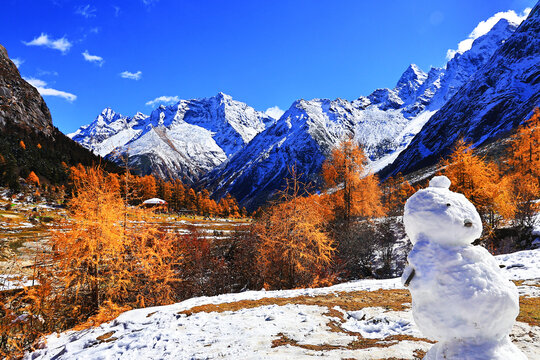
(87, 55)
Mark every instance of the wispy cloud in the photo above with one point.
(61, 44)
(274, 112)
(149, 2)
(18, 62)
(163, 100)
(93, 58)
(484, 27)
(116, 10)
(130, 75)
(42, 88)
(86, 11)
(41, 72)
(95, 30)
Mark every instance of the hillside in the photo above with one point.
(366, 319)
(28, 139)
(500, 96)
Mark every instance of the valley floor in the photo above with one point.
(366, 319)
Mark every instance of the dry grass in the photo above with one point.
(388, 299)
(529, 310)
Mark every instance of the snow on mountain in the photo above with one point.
(495, 100)
(384, 122)
(288, 324)
(184, 140)
(238, 150)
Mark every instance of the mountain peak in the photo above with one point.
(223, 97)
(413, 74)
(409, 82)
(108, 115)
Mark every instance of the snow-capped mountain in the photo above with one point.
(384, 122)
(183, 141)
(496, 99)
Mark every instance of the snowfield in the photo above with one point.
(345, 321)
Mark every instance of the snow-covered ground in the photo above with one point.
(278, 325)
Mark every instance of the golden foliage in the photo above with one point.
(358, 193)
(294, 248)
(32, 178)
(111, 256)
(482, 183)
(396, 191)
(525, 148)
(524, 161)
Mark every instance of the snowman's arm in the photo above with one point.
(408, 275)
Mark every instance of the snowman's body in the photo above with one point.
(460, 296)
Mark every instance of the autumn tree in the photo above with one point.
(395, 192)
(357, 191)
(354, 196)
(294, 248)
(148, 187)
(32, 179)
(524, 161)
(482, 183)
(102, 259)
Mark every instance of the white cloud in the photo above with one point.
(116, 10)
(87, 11)
(130, 75)
(41, 72)
(274, 112)
(163, 100)
(149, 2)
(484, 27)
(18, 62)
(42, 88)
(93, 58)
(61, 44)
(36, 82)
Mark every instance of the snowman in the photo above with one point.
(460, 297)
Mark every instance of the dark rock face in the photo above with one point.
(20, 103)
(498, 97)
(24, 117)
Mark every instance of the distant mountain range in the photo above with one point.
(228, 147)
(185, 140)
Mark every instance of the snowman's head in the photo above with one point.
(439, 215)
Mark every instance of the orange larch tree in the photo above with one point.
(294, 247)
(524, 162)
(32, 178)
(357, 192)
(107, 255)
(482, 183)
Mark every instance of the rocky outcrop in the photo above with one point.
(21, 104)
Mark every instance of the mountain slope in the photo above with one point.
(28, 139)
(184, 140)
(384, 123)
(20, 102)
(498, 97)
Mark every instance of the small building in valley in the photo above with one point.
(156, 204)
